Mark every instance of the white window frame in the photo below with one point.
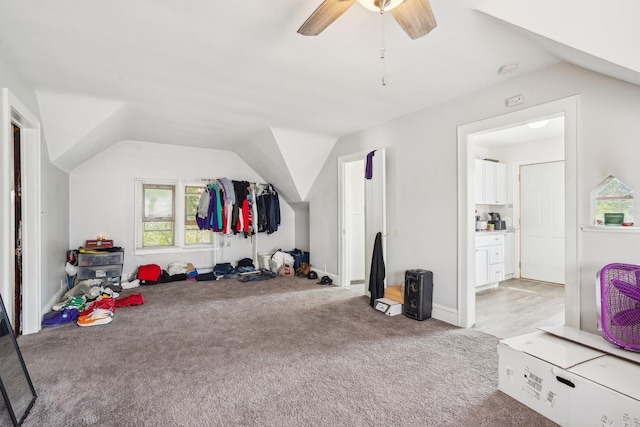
(179, 218)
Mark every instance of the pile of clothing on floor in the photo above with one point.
(152, 274)
(89, 303)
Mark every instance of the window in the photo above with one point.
(165, 217)
(192, 233)
(158, 222)
(611, 196)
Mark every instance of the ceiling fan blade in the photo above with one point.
(415, 17)
(324, 15)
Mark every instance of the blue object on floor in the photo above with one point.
(60, 318)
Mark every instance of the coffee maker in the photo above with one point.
(498, 224)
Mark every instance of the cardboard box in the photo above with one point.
(388, 307)
(394, 293)
(534, 370)
(568, 382)
(607, 393)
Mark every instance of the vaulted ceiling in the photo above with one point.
(237, 76)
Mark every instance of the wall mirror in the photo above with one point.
(15, 383)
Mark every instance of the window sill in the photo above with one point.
(610, 229)
(174, 250)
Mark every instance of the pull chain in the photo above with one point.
(382, 48)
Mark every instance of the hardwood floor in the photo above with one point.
(518, 307)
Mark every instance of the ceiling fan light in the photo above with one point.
(374, 5)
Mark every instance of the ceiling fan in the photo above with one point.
(414, 16)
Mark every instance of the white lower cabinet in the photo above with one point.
(482, 266)
(489, 260)
(509, 254)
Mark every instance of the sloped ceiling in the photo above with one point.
(237, 76)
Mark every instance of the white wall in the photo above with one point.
(422, 176)
(54, 197)
(301, 211)
(101, 199)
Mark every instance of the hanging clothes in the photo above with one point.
(273, 212)
(238, 207)
(254, 210)
(228, 201)
(262, 213)
(203, 204)
(368, 170)
(378, 273)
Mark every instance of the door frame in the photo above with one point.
(14, 112)
(342, 217)
(466, 227)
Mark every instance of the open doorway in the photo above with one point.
(568, 107)
(17, 227)
(529, 291)
(362, 215)
(20, 230)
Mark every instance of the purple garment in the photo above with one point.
(368, 172)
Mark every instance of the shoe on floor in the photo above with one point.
(96, 318)
(106, 303)
(133, 299)
(98, 312)
(60, 318)
(59, 306)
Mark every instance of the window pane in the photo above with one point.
(191, 201)
(192, 233)
(195, 236)
(158, 201)
(157, 234)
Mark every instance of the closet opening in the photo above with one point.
(362, 215)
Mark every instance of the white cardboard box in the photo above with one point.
(388, 307)
(533, 370)
(570, 383)
(607, 393)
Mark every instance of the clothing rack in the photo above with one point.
(209, 180)
(254, 237)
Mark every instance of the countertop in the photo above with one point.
(508, 230)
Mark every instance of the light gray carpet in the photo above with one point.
(284, 352)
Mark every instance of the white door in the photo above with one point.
(354, 191)
(542, 222)
(375, 210)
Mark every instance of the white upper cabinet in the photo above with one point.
(491, 183)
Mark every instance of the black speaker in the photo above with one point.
(418, 294)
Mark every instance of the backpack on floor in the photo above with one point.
(149, 273)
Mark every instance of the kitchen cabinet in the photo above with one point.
(482, 266)
(490, 182)
(489, 260)
(509, 254)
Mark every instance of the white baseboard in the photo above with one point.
(334, 278)
(446, 314)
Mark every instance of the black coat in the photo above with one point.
(378, 273)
